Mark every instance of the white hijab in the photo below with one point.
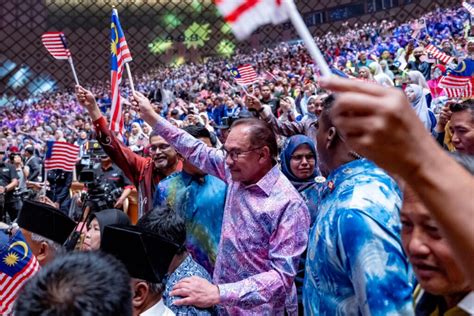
(420, 106)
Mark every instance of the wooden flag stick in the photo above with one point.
(73, 70)
(303, 32)
(129, 74)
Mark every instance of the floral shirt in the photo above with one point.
(355, 263)
(264, 231)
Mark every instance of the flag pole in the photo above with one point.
(73, 70)
(303, 32)
(43, 189)
(129, 74)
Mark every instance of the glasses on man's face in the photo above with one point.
(299, 158)
(161, 147)
(236, 153)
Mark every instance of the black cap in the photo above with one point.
(45, 220)
(147, 256)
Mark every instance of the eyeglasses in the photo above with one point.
(299, 158)
(235, 154)
(161, 147)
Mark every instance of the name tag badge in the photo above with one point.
(5, 170)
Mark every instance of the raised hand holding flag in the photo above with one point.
(55, 43)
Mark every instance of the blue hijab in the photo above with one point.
(291, 144)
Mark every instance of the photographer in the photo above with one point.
(8, 183)
(59, 184)
(115, 179)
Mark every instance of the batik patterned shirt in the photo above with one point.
(200, 200)
(186, 269)
(355, 263)
(264, 231)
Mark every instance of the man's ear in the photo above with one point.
(265, 153)
(331, 138)
(140, 292)
(44, 253)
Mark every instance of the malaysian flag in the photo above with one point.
(61, 155)
(120, 54)
(469, 7)
(55, 43)
(244, 16)
(17, 265)
(436, 53)
(243, 75)
(457, 86)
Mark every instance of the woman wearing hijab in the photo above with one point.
(96, 226)
(137, 138)
(418, 102)
(298, 164)
(417, 78)
(386, 69)
(365, 74)
(379, 76)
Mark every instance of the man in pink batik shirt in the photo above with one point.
(265, 223)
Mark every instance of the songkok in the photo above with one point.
(146, 255)
(45, 220)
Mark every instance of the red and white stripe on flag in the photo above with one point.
(61, 155)
(247, 75)
(55, 43)
(433, 50)
(457, 87)
(245, 16)
(469, 7)
(120, 55)
(10, 286)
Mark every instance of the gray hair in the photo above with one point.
(57, 248)
(156, 288)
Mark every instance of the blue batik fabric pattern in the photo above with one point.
(187, 268)
(200, 200)
(355, 263)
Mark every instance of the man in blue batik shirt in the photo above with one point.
(199, 198)
(355, 263)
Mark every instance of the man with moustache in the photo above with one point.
(145, 173)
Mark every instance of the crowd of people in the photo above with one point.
(296, 195)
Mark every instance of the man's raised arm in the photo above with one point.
(264, 111)
(129, 162)
(209, 160)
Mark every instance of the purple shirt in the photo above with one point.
(264, 231)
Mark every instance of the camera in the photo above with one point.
(100, 194)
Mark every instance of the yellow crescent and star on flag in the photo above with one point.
(115, 39)
(12, 257)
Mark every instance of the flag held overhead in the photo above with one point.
(120, 56)
(55, 43)
(244, 16)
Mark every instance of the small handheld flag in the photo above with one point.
(55, 43)
(61, 155)
(244, 16)
(433, 50)
(243, 75)
(469, 7)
